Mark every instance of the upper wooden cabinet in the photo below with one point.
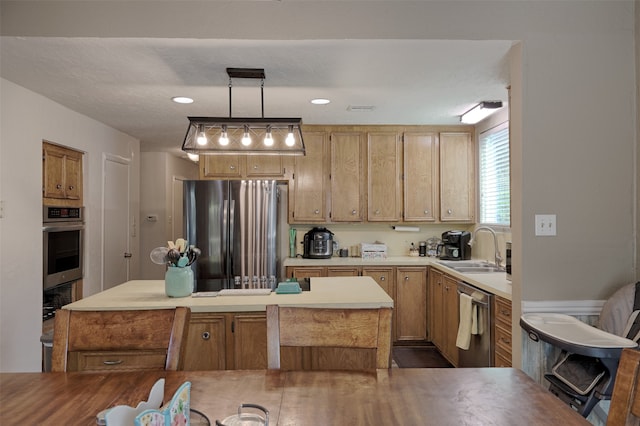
(309, 186)
(457, 177)
(347, 182)
(243, 166)
(421, 173)
(384, 172)
(61, 175)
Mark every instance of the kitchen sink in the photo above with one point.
(477, 269)
(471, 266)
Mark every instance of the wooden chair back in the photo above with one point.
(329, 328)
(126, 340)
(625, 400)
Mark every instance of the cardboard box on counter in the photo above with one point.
(375, 251)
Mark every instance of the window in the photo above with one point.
(493, 170)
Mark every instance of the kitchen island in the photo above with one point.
(229, 332)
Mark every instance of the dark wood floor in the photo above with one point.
(422, 356)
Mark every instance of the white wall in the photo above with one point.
(27, 119)
(158, 170)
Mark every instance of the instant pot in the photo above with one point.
(318, 244)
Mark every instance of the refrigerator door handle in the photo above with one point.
(225, 208)
(232, 232)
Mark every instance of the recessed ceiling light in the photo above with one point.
(182, 100)
(320, 101)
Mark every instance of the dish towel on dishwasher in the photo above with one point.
(466, 321)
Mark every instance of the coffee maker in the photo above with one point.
(455, 245)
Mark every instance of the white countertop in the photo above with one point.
(494, 282)
(337, 292)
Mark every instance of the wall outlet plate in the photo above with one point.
(545, 225)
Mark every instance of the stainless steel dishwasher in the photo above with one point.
(480, 348)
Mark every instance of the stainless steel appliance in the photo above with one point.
(63, 244)
(234, 224)
(318, 244)
(480, 347)
(455, 245)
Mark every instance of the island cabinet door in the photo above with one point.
(249, 341)
(206, 342)
(411, 303)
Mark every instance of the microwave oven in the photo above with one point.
(63, 245)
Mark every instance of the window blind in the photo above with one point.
(494, 185)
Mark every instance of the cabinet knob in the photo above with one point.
(316, 211)
(206, 335)
(255, 167)
(232, 167)
(377, 211)
(71, 187)
(449, 211)
(383, 278)
(505, 312)
(406, 278)
(353, 212)
(58, 186)
(426, 212)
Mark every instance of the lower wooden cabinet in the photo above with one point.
(411, 303)
(407, 286)
(386, 278)
(206, 342)
(502, 332)
(444, 314)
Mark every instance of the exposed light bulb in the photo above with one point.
(290, 140)
(193, 157)
(268, 138)
(246, 139)
(202, 137)
(224, 137)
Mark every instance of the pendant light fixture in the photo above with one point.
(253, 136)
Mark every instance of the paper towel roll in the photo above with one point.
(406, 228)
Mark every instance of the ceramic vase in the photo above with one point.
(178, 282)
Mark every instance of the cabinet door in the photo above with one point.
(250, 341)
(306, 271)
(206, 342)
(53, 173)
(73, 176)
(343, 271)
(457, 177)
(411, 303)
(436, 308)
(385, 277)
(261, 166)
(346, 177)
(451, 318)
(221, 166)
(420, 177)
(308, 197)
(384, 175)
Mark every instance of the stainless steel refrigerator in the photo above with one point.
(234, 224)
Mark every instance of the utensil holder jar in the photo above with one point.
(178, 282)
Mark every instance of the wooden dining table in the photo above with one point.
(410, 396)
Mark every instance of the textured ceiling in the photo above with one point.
(127, 83)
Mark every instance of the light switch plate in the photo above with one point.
(545, 225)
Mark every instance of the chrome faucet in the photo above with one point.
(498, 256)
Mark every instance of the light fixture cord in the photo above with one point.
(230, 84)
(262, 95)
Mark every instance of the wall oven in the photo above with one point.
(63, 244)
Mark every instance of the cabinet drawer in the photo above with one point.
(503, 311)
(503, 340)
(122, 360)
(502, 360)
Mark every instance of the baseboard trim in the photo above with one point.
(568, 307)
